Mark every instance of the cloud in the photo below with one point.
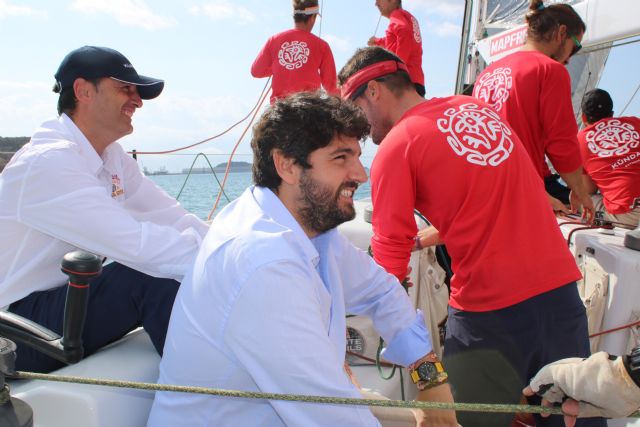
(220, 10)
(337, 43)
(448, 8)
(445, 29)
(7, 85)
(24, 105)
(8, 9)
(132, 13)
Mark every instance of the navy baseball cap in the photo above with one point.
(597, 103)
(92, 62)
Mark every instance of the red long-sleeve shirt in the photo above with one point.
(532, 92)
(461, 166)
(611, 153)
(298, 61)
(403, 38)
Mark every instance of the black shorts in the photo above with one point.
(491, 356)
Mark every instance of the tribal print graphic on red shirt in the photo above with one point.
(293, 54)
(611, 138)
(532, 92)
(477, 133)
(493, 88)
(416, 30)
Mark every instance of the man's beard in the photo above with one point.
(320, 210)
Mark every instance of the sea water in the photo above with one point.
(200, 191)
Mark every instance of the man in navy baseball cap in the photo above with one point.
(92, 62)
(74, 186)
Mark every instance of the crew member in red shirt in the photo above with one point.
(514, 304)
(402, 38)
(611, 153)
(531, 89)
(297, 59)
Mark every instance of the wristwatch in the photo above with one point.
(429, 373)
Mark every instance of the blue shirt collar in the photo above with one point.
(271, 203)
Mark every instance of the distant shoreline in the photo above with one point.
(236, 167)
(208, 171)
(8, 146)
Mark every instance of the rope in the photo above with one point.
(560, 224)
(584, 92)
(368, 359)
(630, 99)
(379, 363)
(321, 19)
(619, 328)
(594, 227)
(226, 172)
(595, 49)
(255, 107)
(602, 223)
(212, 170)
(465, 407)
(375, 33)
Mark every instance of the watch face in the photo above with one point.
(427, 371)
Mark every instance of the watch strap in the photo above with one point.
(422, 384)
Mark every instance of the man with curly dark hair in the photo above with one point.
(264, 306)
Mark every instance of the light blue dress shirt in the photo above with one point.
(263, 309)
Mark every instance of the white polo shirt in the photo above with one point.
(57, 194)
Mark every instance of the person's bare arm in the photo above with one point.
(435, 393)
(589, 185)
(579, 197)
(428, 236)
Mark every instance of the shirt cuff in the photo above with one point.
(410, 344)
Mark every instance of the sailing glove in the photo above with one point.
(599, 383)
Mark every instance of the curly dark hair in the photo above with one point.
(298, 125)
(362, 58)
(543, 20)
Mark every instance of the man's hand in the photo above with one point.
(407, 283)
(371, 41)
(599, 387)
(437, 417)
(557, 206)
(582, 202)
(579, 196)
(428, 236)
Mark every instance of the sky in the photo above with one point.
(203, 49)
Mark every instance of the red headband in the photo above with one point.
(369, 73)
